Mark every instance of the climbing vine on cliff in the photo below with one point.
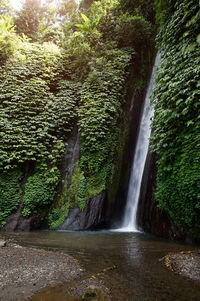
(47, 89)
(33, 118)
(176, 125)
(102, 97)
(10, 193)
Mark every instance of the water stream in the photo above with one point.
(140, 274)
(142, 146)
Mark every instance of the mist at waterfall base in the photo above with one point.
(129, 223)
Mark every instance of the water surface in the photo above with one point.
(140, 274)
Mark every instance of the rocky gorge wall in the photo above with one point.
(69, 125)
(104, 208)
(169, 201)
(175, 137)
(151, 219)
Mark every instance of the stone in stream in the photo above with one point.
(2, 243)
(94, 293)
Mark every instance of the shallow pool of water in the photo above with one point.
(140, 274)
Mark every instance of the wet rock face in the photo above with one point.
(116, 207)
(77, 220)
(72, 155)
(16, 222)
(150, 217)
(89, 217)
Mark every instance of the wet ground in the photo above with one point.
(25, 271)
(130, 265)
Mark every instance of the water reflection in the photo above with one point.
(139, 276)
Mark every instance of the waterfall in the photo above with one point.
(142, 146)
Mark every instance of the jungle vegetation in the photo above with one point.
(63, 66)
(70, 65)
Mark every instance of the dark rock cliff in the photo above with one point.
(71, 156)
(134, 116)
(89, 217)
(16, 221)
(102, 210)
(150, 218)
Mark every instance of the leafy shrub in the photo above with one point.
(9, 41)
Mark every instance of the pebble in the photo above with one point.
(2, 243)
(161, 259)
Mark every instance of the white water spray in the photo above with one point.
(142, 145)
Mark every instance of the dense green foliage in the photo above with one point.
(10, 192)
(164, 9)
(40, 189)
(176, 137)
(9, 41)
(102, 96)
(99, 43)
(58, 215)
(47, 88)
(32, 117)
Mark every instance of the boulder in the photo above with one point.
(89, 217)
(94, 293)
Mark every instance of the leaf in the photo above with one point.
(85, 18)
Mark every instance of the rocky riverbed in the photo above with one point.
(26, 271)
(185, 263)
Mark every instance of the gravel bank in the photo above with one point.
(25, 271)
(186, 264)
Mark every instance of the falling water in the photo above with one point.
(130, 216)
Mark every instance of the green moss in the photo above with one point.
(57, 217)
(82, 195)
(69, 198)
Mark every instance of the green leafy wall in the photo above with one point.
(176, 125)
(47, 89)
(10, 192)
